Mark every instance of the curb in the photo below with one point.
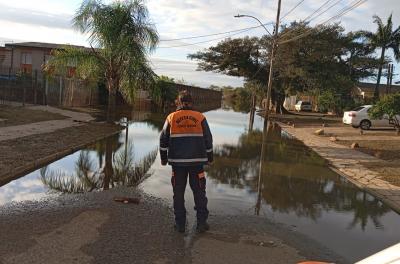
(13, 174)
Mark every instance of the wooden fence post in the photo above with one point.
(35, 88)
(61, 89)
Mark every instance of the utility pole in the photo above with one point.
(388, 78)
(391, 78)
(271, 64)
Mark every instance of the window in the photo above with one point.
(71, 71)
(26, 58)
(26, 62)
(71, 68)
(358, 108)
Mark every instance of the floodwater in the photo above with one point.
(292, 186)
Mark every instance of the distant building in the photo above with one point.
(5, 57)
(365, 91)
(36, 87)
(30, 56)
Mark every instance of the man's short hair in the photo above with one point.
(185, 97)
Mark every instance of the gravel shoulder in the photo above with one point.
(92, 228)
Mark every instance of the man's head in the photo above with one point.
(184, 99)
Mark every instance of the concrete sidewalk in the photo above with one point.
(349, 163)
(75, 119)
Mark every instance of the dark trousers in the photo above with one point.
(197, 182)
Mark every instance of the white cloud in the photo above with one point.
(48, 21)
(32, 17)
(187, 70)
(31, 32)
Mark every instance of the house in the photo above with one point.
(35, 87)
(5, 57)
(365, 91)
(29, 57)
(5, 62)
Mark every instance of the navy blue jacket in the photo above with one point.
(186, 139)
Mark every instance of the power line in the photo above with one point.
(326, 10)
(313, 13)
(341, 13)
(291, 10)
(210, 40)
(215, 34)
(316, 11)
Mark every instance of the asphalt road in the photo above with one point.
(92, 228)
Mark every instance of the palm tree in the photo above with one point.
(384, 38)
(121, 37)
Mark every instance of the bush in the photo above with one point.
(327, 101)
(390, 106)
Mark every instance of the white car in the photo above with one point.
(359, 117)
(303, 106)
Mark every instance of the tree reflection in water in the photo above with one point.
(290, 178)
(118, 169)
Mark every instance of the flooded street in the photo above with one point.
(295, 187)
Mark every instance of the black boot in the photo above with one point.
(202, 227)
(180, 228)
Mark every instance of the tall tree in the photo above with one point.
(309, 64)
(384, 38)
(121, 37)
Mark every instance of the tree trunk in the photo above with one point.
(280, 109)
(378, 81)
(277, 101)
(112, 91)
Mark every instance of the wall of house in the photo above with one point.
(37, 56)
(5, 58)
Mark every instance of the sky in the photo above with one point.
(50, 21)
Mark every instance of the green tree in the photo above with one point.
(390, 106)
(325, 59)
(360, 59)
(121, 37)
(163, 92)
(384, 38)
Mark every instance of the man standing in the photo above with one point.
(186, 144)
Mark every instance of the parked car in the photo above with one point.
(303, 106)
(359, 117)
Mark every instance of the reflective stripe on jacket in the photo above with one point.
(186, 139)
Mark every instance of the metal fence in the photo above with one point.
(38, 88)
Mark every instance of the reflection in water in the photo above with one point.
(291, 186)
(289, 178)
(119, 169)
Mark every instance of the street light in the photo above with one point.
(266, 29)
(274, 38)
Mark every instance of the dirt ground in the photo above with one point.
(18, 115)
(386, 150)
(18, 152)
(308, 119)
